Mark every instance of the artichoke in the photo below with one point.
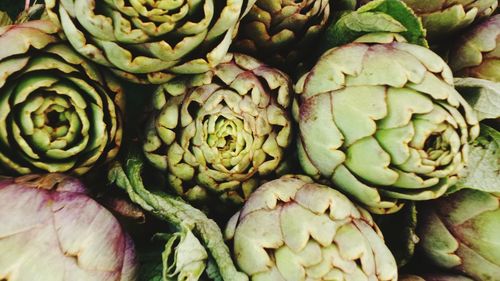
(58, 112)
(150, 41)
(477, 53)
(460, 232)
(383, 122)
(294, 229)
(442, 17)
(51, 230)
(222, 131)
(281, 32)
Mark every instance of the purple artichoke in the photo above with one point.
(50, 229)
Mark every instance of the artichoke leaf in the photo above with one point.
(175, 211)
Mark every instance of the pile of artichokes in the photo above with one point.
(249, 140)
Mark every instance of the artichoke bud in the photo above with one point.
(150, 41)
(282, 33)
(441, 18)
(477, 52)
(460, 232)
(383, 123)
(220, 132)
(294, 229)
(58, 111)
(50, 229)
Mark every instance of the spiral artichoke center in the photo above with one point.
(49, 117)
(55, 118)
(435, 142)
(224, 136)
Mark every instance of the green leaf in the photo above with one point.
(175, 211)
(483, 170)
(381, 16)
(482, 95)
(184, 257)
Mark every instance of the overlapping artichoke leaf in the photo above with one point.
(150, 41)
(460, 232)
(58, 111)
(443, 19)
(384, 123)
(476, 53)
(197, 249)
(218, 134)
(50, 229)
(381, 16)
(294, 229)
(181, 257)
(283, 33)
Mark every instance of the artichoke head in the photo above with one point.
(50, 229)
(460, 232)
(58, 111)
(150, 41)
(222, 131)
(294, 229)
(477, 53)
(280, 32)
(443, 17)
(383, 122)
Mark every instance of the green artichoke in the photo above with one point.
(383, 122)
(443, 17)
(58, 112)
(294, 229)
(150, 41)
(280, 32)
(477, 53)
(460, 232)
(222, 131)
